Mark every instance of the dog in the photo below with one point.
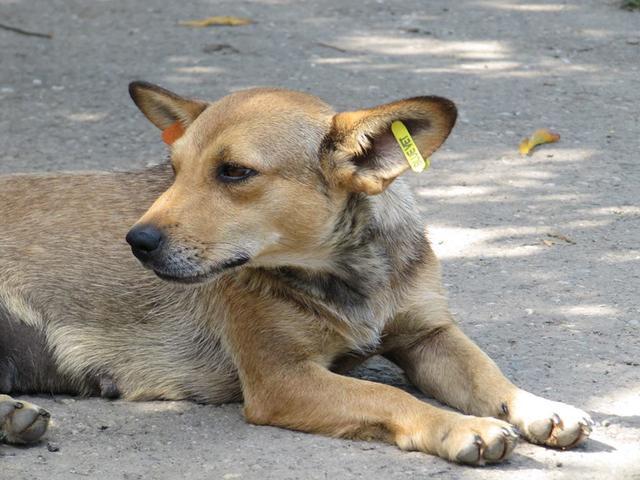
(281, 249)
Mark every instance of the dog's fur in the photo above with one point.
(303, 269)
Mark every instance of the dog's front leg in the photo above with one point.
(286, 384)
(309, 398)
(444, 363)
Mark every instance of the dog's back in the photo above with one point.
(76, 307)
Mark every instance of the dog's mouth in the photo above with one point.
(201, 277)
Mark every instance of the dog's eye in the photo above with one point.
(233, 173)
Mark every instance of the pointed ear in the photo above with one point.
(361, 154)
(164, 108)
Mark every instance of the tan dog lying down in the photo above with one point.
(284, 249)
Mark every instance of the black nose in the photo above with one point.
(144, 240)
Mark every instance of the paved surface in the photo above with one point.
(560, 317)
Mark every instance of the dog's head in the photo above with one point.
(262, 175)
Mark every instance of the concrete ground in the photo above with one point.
(540, 254)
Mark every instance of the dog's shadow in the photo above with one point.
(629, 421)
(595, 446)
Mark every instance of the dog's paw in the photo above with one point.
(479, 440)
(21, 422)
(465, 439)
(549, 423)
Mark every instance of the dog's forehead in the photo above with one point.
(263, 99)
(272, 120)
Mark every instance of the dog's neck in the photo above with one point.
(376, 245)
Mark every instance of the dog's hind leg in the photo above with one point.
(21, 422)
(23, 360)
(27, 364)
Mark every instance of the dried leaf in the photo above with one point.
(548, 243)
(216, 21)
(539, 137)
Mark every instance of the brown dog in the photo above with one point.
(285, 252)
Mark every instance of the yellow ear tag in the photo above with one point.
(172, 133)
(409, 148)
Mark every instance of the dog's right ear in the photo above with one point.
(164, 108)
(360, 153)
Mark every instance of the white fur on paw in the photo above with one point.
(21, 422)
(549, 423)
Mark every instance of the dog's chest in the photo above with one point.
(356, 310)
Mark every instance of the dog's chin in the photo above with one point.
(192, 280)
(186, 278)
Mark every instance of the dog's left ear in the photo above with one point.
(361, 154)
(164, 108)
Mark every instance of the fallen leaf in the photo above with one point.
(216, 21)
(548, 243)
(538, 137)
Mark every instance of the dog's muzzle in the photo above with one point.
(153, 248)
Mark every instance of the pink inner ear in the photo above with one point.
(386, 145)
(383, 153)
(172, 133)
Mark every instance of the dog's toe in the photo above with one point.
(477, 441)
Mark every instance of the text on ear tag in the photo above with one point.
(172, 133)
(408, 147)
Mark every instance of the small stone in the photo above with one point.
(36, 81)
(606, 423)
(219, 47)
(57, 88)
(7, 90)
(368, 446)
(52, 447)
(559, 464)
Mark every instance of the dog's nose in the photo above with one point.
(144, 240)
